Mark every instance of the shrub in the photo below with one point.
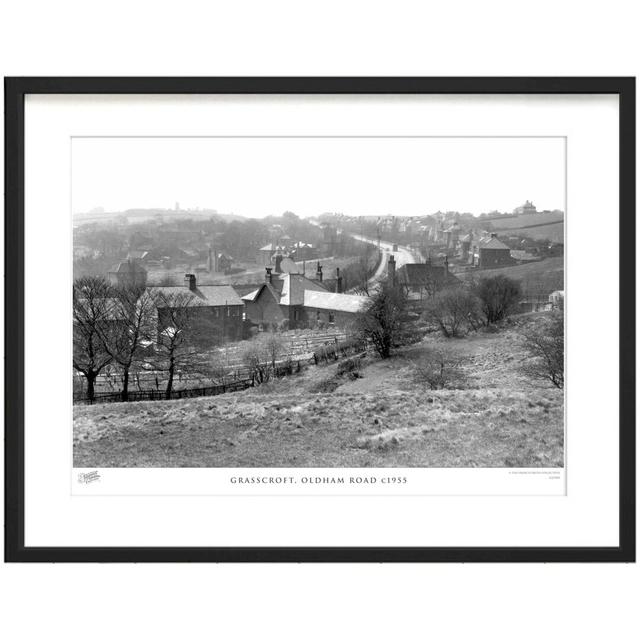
(350, 368)
(454, 311)
(439, 371)
(499, 297)
(385, 322)
(328, 385)
(254, 358)
(544, 342)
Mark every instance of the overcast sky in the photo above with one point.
(256, 177)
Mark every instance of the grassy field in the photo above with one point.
(385, 418)
(544, 276)
(542, 226)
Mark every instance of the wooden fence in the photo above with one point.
(323, 355)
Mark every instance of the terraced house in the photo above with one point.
(216, 311)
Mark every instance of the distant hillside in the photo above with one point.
(541, 226)
(536, 278)
(140, 215)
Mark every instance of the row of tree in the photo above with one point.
(388, 321)
(134, 329)
(458, 310)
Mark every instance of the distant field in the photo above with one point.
(386, 418)
(553, 232)
(541, 226)
(537, 278)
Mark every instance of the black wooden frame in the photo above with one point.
(15, 91)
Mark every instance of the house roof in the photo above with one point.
(137, 254)
(419, 274)
(335, 301)
(128, 266)
(274, 288)
(245, 288)
(287, 289)
(523, 255)
(220, 294)
(272, 246)
(492, 243)
(209, 295)
(294, 287)
(251, 296)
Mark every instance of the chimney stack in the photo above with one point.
(391, 270)
(278, 263)
(319, 273)
(190, 281)
(494, 235)
(267, 276)
(338, 281)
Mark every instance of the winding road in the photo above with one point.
(402, 256)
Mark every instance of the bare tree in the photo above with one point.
(454, 311)
(255, 358)
(274, 347)
(433, 282)
(544, 342)
(132, 312)
(499, 297)
(92, 303)
(173, 351)
(360, 272)
(385, 321)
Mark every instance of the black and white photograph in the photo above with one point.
(318, 301)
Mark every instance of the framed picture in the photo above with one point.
(320, 319)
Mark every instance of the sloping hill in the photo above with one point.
(541, 226)
(386, 418)
(536, 278)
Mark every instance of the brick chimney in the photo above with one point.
(278, 263)
(391, 270)
(319, 273)
(190, 281)
(267, 275)
(338, 281)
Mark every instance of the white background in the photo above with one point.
(586, 516)
(332, 38)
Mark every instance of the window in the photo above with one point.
(331, 318)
